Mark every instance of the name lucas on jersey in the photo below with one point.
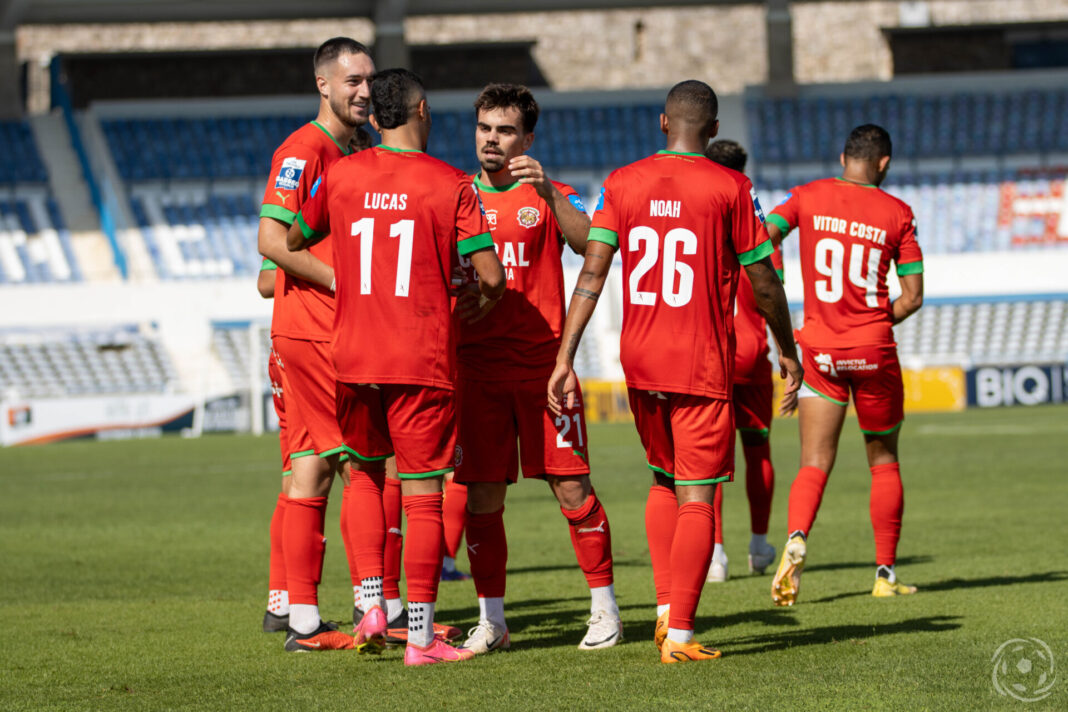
(385, 201)
(827, 223)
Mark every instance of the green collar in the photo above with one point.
(344, 151)
(679, 153)
(853, 182)
(493, 189)
(399, 150)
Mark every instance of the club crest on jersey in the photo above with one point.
(491, 218)
(458, 456)
(528, 217)
(756, 204)
(289, 174)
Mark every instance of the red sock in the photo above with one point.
(887, 505)
(454, 515)
(422, 556)
(367, 525)
(661, 511)
(487, 550)
(348, 505)
(591, 537)
(391, 510)
(805, 496)
(759, 486)
(691, 553)
(717, 513)
(303, 544)
(276, 581)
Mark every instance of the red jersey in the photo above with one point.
(684, 225)
(302, 310)
(849, 235)
(751, 364)
(518, 339)
(397, 218)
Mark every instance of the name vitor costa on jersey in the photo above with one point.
(849, 235)
(683, 225)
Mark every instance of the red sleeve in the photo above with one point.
(294, 170)
(605, 227)
(786, 214)
(750, 238)
(909, 257)
(472, 231)
(314, 217)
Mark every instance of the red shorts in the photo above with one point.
(277, 377)
(687, 437)
(310, 397)
(752, 407)
(415, 422)
(872, 373)
(503, 422)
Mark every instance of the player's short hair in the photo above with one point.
(334, 47)
(868, 143)
(692, 101)
(393, 93)
(728, 153)
(509, 96)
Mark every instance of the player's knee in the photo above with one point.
(485, 497)
(571, 492)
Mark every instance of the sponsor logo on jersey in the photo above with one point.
(825, 362)
(528, 217)
(283, 197)
(756, 204)
(289, 174)
(491, 218)
(576, 202)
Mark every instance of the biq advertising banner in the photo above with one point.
(41, 420)
(1028, 384)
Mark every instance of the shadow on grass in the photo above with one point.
(836, 634)
(956, 584)
(842, 565)
(569, 567)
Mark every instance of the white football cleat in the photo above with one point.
(486, 637)
(717, 569)
(605, 630)
(760, 557)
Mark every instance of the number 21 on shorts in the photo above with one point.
(563, 429)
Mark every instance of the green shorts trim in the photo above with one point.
(764, 432)
(808, 385)
(709, 481)
(883, 432)
(665, 473)
(302, 453)
(358, 456)
(424, 475)
(332, 451)
(287, 473)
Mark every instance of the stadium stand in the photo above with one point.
(230, 342)
(75, 362)
(24, 165)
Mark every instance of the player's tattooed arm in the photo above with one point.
(771, 303)
(588, 294)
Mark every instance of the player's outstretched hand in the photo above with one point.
(528, 170)
(790, 370)
(472, 305)
(562, 387)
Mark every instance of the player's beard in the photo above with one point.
(343, 111)
(493, 163)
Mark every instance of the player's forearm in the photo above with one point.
(265, 283)
(584, 299)
(574, 223)
(272, 244)
(491, 278)
(911, 298)
(771, 302)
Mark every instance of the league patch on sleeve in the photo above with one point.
(757, 210)
(315, 186)
(577, 203)
(289, 174)
(600, 200)
(785, 198)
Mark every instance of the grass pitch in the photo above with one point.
(134, 575)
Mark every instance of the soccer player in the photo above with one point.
(850, 232)
(751, 399)
(399, 217)
(683, 225)
(506, 356)
(301, 329)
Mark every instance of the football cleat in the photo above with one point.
(397, 632)
(787, 581)
(371, 631)
(325, 637)
(717, 569)
(357, 614)
(454, 575)
(885, 588)
(437, 652)
(605, 630)
(485, 637)
(661, 629)
(760, 557)
(275, 624)
(691, 652)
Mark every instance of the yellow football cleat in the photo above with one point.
(787, 581)
(884, 588)
(691, 652)
(660, 632)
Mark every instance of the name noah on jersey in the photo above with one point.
(665, 208)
